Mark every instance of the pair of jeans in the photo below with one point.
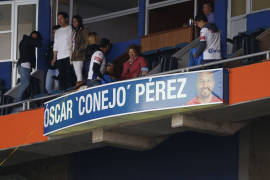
(25, 81)
(92, 83)
(66, 73)
(52, 83)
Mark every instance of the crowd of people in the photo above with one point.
(76, 57)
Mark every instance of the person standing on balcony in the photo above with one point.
(79, 45)
(62, 51)
(98, 64)
(27, 60)
(207, 9)
(91, 48)
(52, 82)
(210, 40)
(136, 66)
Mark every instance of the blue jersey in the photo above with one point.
(108, 79)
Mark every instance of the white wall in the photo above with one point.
(118, 29)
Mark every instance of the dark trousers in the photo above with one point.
(86, 65)
(66, 73)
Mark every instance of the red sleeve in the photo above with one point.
(143, 62)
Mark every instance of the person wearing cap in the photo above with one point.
(98, 64)
(136, 66)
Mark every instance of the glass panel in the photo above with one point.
(118, 29)
(26, 22)
(238, 7)
(64, 6)
(5, 46)
(260, 4)
(100, 7)
(168, 17)
(53, 14)
(5, 17)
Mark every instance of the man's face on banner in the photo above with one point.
(205, 84)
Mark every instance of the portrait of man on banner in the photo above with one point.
(205, 87)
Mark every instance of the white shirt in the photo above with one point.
(26, 65)
(213, 42)
(99, 58)
(62, 42)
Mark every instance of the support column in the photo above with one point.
(44, 27)
(141, 18)
(221, 22)
(244, 154)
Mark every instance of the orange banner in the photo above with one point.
(249, 82)
(21, 129)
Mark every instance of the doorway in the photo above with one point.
(18, 18)
(237, 22)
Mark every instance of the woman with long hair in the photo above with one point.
(79, 45)
(136, 65)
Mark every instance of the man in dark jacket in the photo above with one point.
(27, 59)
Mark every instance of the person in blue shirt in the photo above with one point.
(207, 9)
(194, 61)
(108, 77)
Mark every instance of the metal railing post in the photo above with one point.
(24, 106)
(27, 105)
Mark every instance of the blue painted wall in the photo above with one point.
(221, 21)
(257, 20)
(44, 19)
(5, 69)
(119, 48)
(186, 156)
